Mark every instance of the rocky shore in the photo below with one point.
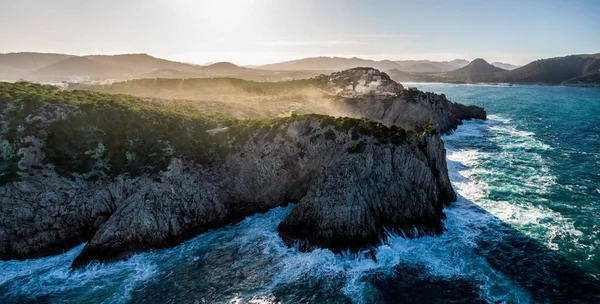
(149, 179)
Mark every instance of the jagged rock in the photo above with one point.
(351, 205)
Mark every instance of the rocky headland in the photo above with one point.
(125, 175)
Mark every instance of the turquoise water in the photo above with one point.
(525, 229)
(540, 171)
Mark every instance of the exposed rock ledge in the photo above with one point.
(351, 179)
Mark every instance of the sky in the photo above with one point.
(257, 32)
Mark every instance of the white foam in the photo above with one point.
(51, 275)
(518, 170)
(255, 239)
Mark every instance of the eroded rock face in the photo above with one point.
(344, 200)
(413, 109)
(350, 205)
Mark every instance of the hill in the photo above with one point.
(222, 68)
(588, 80)
(17, 65)
(140, 63)
(42, 67)
(477, 66)
(96, 163)
(79, 68)
(555, 70)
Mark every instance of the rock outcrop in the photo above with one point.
(413, 109)
(369, 93)
(358, 82)
(351, 205)
(126, 178)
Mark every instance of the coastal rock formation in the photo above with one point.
(386, 188)
(358, 82)
(413, 109)
(125, 177)
(369, 93)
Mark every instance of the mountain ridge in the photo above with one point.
(578, 69)
(573, 70)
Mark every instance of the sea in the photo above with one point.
(525, 229)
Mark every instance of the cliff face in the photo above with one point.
(415, 110)
(353, 202)
(68, 179)
(390, 186)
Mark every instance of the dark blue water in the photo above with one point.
(525, 229)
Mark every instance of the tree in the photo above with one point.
(4, 96)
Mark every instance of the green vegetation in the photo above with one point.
(154, 85)
(428, 128)
(357, 147)
(363, 126)
(107, 135)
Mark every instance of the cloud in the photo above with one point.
(307, 43)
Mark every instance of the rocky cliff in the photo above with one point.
(413, 109)
(125, 177)
(371, 94)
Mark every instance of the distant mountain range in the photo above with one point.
(581, 70)
(43, 67)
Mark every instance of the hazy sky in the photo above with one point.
(264, 31)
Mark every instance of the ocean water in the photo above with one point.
(525, 229)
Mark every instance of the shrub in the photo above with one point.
(357, 147)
